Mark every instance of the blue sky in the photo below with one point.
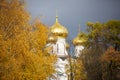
(74, 12)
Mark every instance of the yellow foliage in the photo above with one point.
(79, 70)
(21, 46)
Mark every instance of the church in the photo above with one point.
(59, 46)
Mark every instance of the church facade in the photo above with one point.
(59, 46)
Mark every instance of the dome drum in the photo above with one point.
(60, 34)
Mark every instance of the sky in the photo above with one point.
(71, 13)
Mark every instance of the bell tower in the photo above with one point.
(59, 46)
(78, 43)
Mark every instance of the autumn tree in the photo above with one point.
(37, 41)
(100, 37)
(78, 69)
(112, 57)
(21, 46)
(14, 20)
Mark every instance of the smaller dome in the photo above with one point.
(78, 40)
(51, 39)
(67, 46)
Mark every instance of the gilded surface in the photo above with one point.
(58, 30)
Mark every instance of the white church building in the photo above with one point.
(59, 46)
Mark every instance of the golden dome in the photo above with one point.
(51, 39)
(67, 46)
(78, 40)
(58, 30)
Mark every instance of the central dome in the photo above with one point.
(58, 30)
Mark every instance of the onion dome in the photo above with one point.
(58, 30)
(51, 39)
(78, 40)
(67, 46)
